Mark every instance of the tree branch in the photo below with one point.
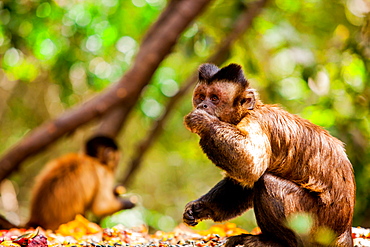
(114, 120)
(242, 24)
(151, 53)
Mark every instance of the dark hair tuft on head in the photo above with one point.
(92, 145)
(232, 73)
(207, 71)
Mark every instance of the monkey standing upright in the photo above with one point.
(274, 161)
(76, 183)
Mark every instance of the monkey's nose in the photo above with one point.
(204, 106)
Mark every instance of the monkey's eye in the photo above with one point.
(214, 98)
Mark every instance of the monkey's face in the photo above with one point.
(108, 156)
(227, 101)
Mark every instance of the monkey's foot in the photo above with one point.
(248, 240)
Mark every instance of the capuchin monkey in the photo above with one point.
(275, 162)
(76, 183)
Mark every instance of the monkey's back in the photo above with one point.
(304, 151)
(63, 189)
(310, 157)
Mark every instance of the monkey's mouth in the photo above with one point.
(209, 111)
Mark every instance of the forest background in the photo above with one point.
(60, 60)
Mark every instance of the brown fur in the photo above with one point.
(285, 164)
(74, 184)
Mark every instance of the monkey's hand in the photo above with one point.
(196, 211)
(127, 203)
(199, 120)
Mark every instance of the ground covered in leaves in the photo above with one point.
(81, 232)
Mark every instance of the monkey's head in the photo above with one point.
(224, 92)
(103, 148)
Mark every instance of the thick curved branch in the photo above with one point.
(113, 121)
(242, 24)
(153, 50)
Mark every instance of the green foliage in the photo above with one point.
(307, 56)
(301, 223)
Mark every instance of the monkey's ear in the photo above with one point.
(207, 71)
(249, 99)
(232, 72)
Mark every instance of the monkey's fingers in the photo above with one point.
(127, 204)
(194, 212)
(119, 190)
(189, 219)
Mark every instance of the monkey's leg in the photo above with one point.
(277, 199)
(273, 198)
(224, 201)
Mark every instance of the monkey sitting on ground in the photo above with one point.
(274, 161)
(76, 183)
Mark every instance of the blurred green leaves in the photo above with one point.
(302, 224)
(43, 10)
(56, 35)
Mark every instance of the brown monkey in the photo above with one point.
(274, 161)
(76, 183)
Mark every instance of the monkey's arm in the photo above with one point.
(109, 204)
(243, 151)
(105, 201)
(226, 200)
